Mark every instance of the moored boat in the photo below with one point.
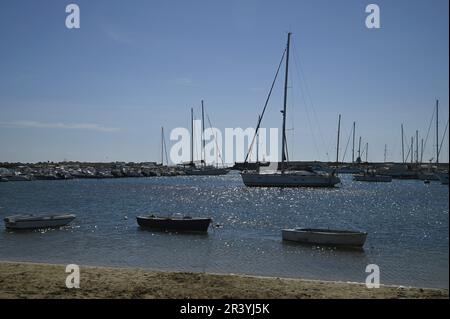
(207, 170)
(184, 224)
(36, 222)
(371, 176)
(284, 177)
(443, 177)
(325, 237)
(289, 179)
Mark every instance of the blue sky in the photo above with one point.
(102, 92)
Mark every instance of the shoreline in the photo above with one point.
(47, 281)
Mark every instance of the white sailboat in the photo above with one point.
(203, 169)
(284, 177)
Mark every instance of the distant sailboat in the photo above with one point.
(203, 169)
(284, 177)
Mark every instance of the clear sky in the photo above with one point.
(102, 92)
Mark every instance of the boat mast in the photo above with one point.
(192, 136)
(421, 151)
(412, 149)
(417, 146)
(403, 147)
(385, 152)
(257, 141)
(353, 148)
(338, 136)
(162, 145)
(203, 159)
(437, 132)
(367, 152)
(359, 149)
(286, 78)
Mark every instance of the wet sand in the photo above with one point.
(30, 280)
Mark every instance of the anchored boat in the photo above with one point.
(203, 169)
(371, 176)
(184, 224)
(284, 177)
(325, 237)
(35, 222)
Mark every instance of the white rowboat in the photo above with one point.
(325, 236)
(35, 222)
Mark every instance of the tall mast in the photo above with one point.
(437, 131)
(385, 152)
(353, 148)
(367, 152)
(403, 147)
(286, 78)
(338, 136)
(192, 135)
(359, 149)
(421, 150)
(257, 141)
(162, 145)
(417, 146)
(203, 136)
(412, 149)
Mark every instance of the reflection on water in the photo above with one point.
(407, 222)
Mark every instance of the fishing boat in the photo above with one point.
(443, 177)
(371, 176)
(35, 222)
(284, 177)
(183, 224)
(325, 237)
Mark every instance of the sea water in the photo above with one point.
(406, 220)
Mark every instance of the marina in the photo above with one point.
(237, 149)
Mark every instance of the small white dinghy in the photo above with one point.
(35, 222)
(325, 237)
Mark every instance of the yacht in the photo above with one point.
(284, 177)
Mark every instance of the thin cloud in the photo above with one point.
(184, 81)
(64, 126)
(116, 34)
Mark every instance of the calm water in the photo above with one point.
(407, 222)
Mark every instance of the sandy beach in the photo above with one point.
(30, 280)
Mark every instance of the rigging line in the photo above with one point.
(348, 142)
(303, 95)
(165, 150)
(195, 142)
(286, 148)
(428, 132)
(407, 154)
(310, 99)
(215, 140)
(265, 105)
(443, 137)
(292, 118)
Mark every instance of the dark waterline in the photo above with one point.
(407, 222)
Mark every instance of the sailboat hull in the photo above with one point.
(288, 180)
(207, 171)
